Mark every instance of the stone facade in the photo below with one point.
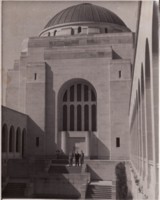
(50, 63)
(94, 90)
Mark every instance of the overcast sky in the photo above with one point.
(23, 19)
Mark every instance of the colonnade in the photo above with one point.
(13, 141)
(142, 138)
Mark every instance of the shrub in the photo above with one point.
(121, 181)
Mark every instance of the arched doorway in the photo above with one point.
(77, 113)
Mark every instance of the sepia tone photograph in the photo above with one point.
(80, 100)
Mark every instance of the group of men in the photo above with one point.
(78, 157)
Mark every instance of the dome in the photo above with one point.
(84, 18)
(85, 12)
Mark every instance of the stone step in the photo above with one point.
(14, 190)
(99, 192)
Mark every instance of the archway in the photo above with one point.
(4, 138)
(77, 106)
(148, 101)
(143, 121)
(18, 140)
(77, 115)
(24, 135)
(11, 139)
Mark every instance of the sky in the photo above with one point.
(23, 19)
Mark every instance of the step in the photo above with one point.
(99, 191)
(14, 190)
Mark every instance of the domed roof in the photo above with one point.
(84, 12)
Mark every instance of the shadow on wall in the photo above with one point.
(97, 148)
(35, 144)
(50, 104)
(122, 189)
(115, 55)
(94, 175)
(59, 187)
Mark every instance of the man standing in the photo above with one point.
(82, 158)
(77, 156)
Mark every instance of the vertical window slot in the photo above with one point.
(117, 142)
(35, 76)
(37, 141)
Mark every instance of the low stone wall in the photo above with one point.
(103, 169)
(61, 185)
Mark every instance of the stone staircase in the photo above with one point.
(99, 192)
(14, 190)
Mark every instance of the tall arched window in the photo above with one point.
(54, 34)
(79, 108)
(72, 31)
(4, 138)
(24, 136)
(79, 29)
(11, 139)
(18, 140)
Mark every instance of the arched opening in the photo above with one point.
(72, 118)
(137, 131)
(148, 101)
(143, 120)
(78, 107)
(64, 117)
(11, 139)
(18, 140)
(24, 135)
(106, 30)
(155, 68)
(49, 34)
(79, 29)
(4, 138)
(55, 32)
(72, 31)
(140, 125)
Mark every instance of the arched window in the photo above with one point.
(86, 117)
(72, 31)
(23, 142)
(11, 139)
(49, 34)
(79, 118)
(54, 34)
(18, 140)
(79, 108)
(79, 29)
(4, 138)
(106, 30)
(64, 117)
(72, 118)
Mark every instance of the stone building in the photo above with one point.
(86, 82)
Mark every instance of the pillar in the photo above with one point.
(87, 144)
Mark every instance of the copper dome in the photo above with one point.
(84, 12)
